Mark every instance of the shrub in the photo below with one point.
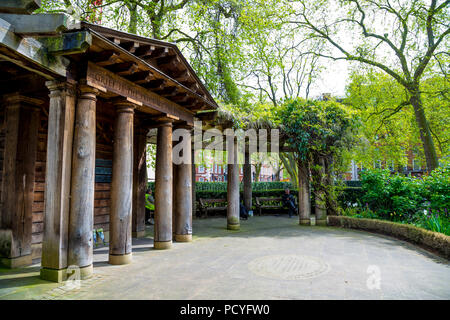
(350, 197)
(386, 194)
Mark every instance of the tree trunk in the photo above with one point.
(330, 195)
(425, 133)
(304, 191)
(132, 26)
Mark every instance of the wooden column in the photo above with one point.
(233, 222)
(81, 221)
(163, 188)
(122, 186)
(19, 162)
(182, 190)
(304, 200)
(194, 197)
(247, 182)
(320, 209)
(139, 180)
(58, 180)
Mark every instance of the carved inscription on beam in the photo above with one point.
(103, 79)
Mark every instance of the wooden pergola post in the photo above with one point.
(247, 180)
(81, 221)
(19, 162)
(182, 192)
(233, 222)
(304, 200)
(139, 180)
(58, 180)
(120, 228)
(163, 187)
(194, 198)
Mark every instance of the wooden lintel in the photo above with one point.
(37, 24)
(19, 6)
(68, 43)
(98, 76)
(32, 50)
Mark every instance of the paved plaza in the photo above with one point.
(271, 257)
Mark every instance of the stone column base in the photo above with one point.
(321, 222)
(86, 272)
(55, 275)
(138, 234)
(233, 226)
(305, 222)
(162, 245)
(17, 262)
(120, 259)
(183, 237)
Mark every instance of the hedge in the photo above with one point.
(435, 241)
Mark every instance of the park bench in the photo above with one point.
(270, 204)
(210, 205)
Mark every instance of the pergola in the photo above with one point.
(77, 104)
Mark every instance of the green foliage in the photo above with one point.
(393, 197)
(350, 197)
(389, 128)
(423, 202)
(316, 127)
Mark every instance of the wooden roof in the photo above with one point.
(155, 65)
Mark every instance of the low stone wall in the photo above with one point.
(437, 242)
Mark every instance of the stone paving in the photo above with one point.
(271, 257)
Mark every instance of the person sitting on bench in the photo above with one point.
(243, 212)
(289, 202)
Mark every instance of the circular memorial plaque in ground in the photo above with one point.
(288, 267)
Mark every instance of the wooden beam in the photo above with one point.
(160, 52)
(168, 91)
(124, 68)
(19, 6)
(144, 51)
(167, 61)
(155, 84)
(106, 80)
(37, 24)
(32, 50)
(68, 43)
(130, 46)
(141, 77)
(104, 58)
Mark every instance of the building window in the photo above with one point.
(377, 164)
(391, 166)
(416, 165)
(201, 179)
(201, 169)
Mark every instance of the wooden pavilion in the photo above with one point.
(77, 103)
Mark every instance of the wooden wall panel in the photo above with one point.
(39, 186)
(103, 164)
